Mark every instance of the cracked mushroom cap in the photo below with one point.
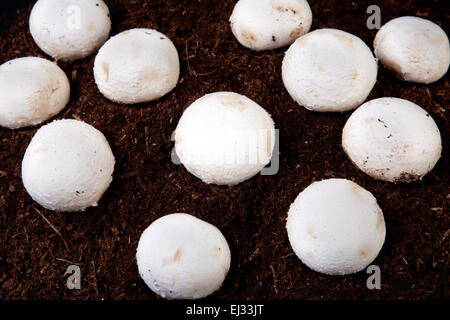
(32, 90)
(329, 70)
(137, 65)
(336, 227)
(392, 139)
(70, 29)
(415, 49)
(225, 138)
(182, 257)
(269, 24)
(67, 166)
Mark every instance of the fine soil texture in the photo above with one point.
(38, 245)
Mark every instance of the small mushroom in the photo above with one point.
(269, 24)
(69, 29)
(329, 70)
(392, 139)
(137, 65)
(67, 166)
(32, 90)
(182, 257)
(225, 138)
(336, 227)
(415, 49)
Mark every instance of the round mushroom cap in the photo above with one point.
(269, 24)
(392, 139)
(135, 66)
(67, 166)
(69, 29)
(32, 90)
(329, 70)
(182, 257)
(224, 138)
(336, 227)
(415, 49)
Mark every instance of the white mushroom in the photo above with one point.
(392, 139)
(70, 29)
(182, 257)
(269, 24)
(329, 70)
(225, 138)
(32, 90)
(336, 227)
(67, 166)
(135, 66)
(415, 49)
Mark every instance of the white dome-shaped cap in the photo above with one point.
(336, 227)
(69, 29)
(269, 24)
(32, 90)
(67, 166)
(135, 66)
(415, 49)
(182, 257)
(329, 70)
(392, 139)
(225, 138)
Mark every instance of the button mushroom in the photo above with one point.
(67, 166)
(392, 139)
(225, 138)
(182, 257)
(336, 227)
(32, 90)
(329, 70)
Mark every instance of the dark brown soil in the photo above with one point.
(33, 258)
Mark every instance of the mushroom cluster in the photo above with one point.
(334, 226)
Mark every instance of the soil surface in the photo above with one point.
(34, 257)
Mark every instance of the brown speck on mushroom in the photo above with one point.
(233, 101)
(297, 32)
(248, 36)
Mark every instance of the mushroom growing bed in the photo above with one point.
(37, 245)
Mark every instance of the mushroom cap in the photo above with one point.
(415, 49)
(225, 138)
(135, 66)
(329, 70)
(182, 257)
(336, 227)
(67, 166)
(32, 90)
(69, 29)
(269, 24)
(392, 139)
